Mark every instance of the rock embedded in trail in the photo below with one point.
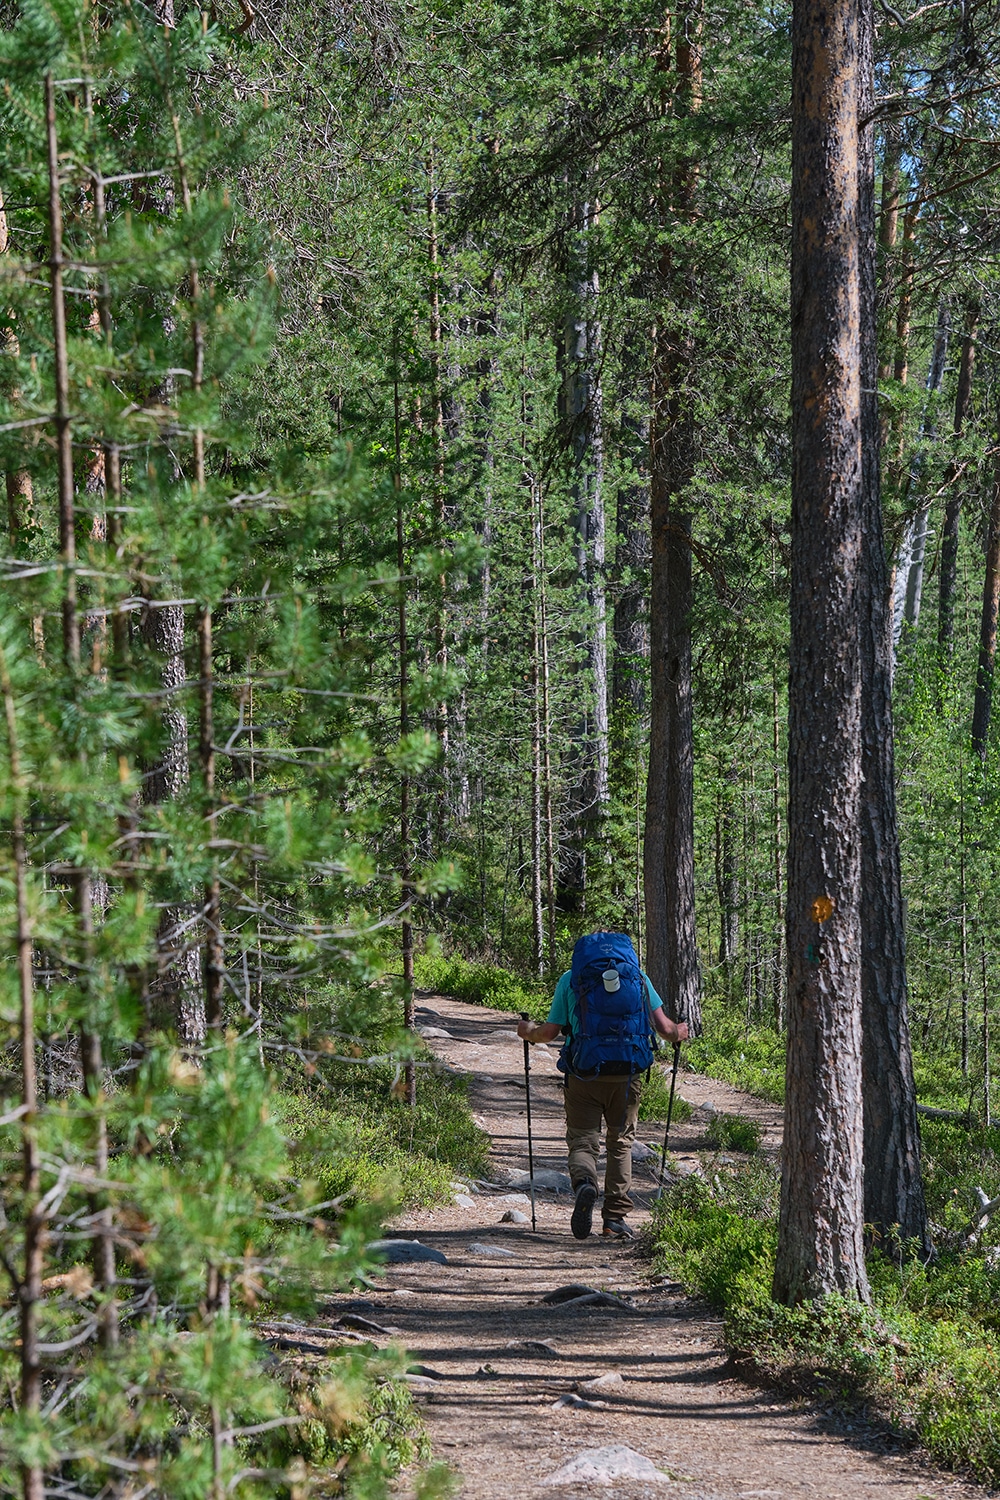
(568, 1293)
(578, 1403)
(403, 1252)
(482, 1249)
(547, 1178)
(515, 1216)
(612, 1381)
(605, 1466)
(596, 1299)
(538, 1347)
(434, 1033)
(462, 1200)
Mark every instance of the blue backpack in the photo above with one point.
(613, 1029)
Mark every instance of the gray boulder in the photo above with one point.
(403, 1252)
(545, 1178)
(606, 1466)
(515, 1216)
(496, 1251)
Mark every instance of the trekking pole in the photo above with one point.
(527, 1102)
(670, 1110)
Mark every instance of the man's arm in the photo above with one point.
(538, 1031)
(671, 1031)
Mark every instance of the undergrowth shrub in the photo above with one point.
(354, 1136)
(925, 1356)
(482, 984)
(655, 1097)
(734, 1133)
(750, 1058)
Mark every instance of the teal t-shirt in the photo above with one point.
(562, 1011)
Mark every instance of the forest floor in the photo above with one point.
(507, 1412)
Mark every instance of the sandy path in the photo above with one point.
(490, 1403)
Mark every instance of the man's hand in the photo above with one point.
(545, 1031)
(671, 1031)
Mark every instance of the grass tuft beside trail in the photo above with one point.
(354, 1135)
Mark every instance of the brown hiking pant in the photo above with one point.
(591, 1102)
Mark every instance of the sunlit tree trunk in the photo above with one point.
(953, 480)
(668, 860)
(986, 668)
(820, 1230)
(582, 412)
(893, 1188)
(909, 579)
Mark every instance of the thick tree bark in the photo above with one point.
(893, 1189)
(668, 856)
(820, 1246)
(953, 505)
(983, 706)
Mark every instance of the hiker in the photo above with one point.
(607, 1009)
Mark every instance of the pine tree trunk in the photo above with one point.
(537, 915)
(953, 506)
(727, 872)
(909, 580)
(214, 957)
(668, 863)
(631, 636)
(582, 412)
(175, 995)
(983, 706)
(18, 486)
(441, 718)
(405, 844)
(893, 1189)
(63, 420)
(820, 1246)
(29, 1292)
(548, 817)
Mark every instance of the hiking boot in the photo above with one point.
(617, 1229)
(583, 1210)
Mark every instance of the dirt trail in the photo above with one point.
(490, 1399)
